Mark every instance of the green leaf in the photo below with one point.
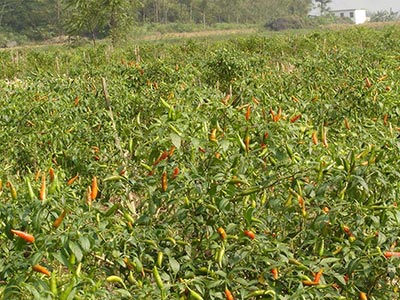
(176, 140)
(173, 263)
(61, 258)
(37, 257)
(76, 250)
(85, 244)
(248, 215)
(123, 293)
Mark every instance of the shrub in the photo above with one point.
(284, 23)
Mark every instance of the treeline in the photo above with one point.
(219, 11)
(41, 19)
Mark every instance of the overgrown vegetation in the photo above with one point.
(296, 22)
(263, 167)
(41, 19)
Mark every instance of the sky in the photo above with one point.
(369, 5)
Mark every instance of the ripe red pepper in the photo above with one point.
(175, 173)
(389, 254)
(58, 221)
(42, 193)
(248, 113)
(249, 234)
(247, 143)
(171, 151)
(163, 156)
(309, 283)
(41, 269)
(52, 174)
(71, 181)
(222, 233)
(318, 275)
(213, 135)
(164, 181)
(368, 82)
(363, 296)
(228, 295)
(94, 188)
(275, 273)
(315, 138)
(295, 118)
(23, 235)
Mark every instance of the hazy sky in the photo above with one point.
(369, 5)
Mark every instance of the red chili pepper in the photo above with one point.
(58, 221)
(295, 118)
(368, 82)
(249, 234)
(52, 175)
(275, 273)
(272, 113)
(363, 296)
(278, 116)
(318, 275)
(41, 269)
(175, 173)
(94, 189)
(23, 235)
(248, 113)
(389, 254)
(163, 156)
(247, 143)
(309, 283)
(346, 124)
(71, 181)
(222, 233)
(347, 230)
(385, 119)
(315, 138)
(164, 181)
(213, 135)
(228, 295)
(42, 193)
(171, 151)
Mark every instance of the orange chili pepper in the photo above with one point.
(249, 234)
(41, 269)
(94, 188)
(52, 175)
(42, 193)
(164, 181)
(275, 273)
(222, 233)
(295, 118)
(71, 181)
(228, 295)
(248, 113)
(58, 221)
(318, 275)
(23, 235)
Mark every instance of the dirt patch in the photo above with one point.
(196, 34)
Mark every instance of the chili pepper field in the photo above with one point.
(259, 167)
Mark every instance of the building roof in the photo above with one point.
(348, 9)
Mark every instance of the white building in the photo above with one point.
(358, 16)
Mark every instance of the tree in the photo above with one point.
(323, 5)
(384, 16)
(97, 16)
(36, 19)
